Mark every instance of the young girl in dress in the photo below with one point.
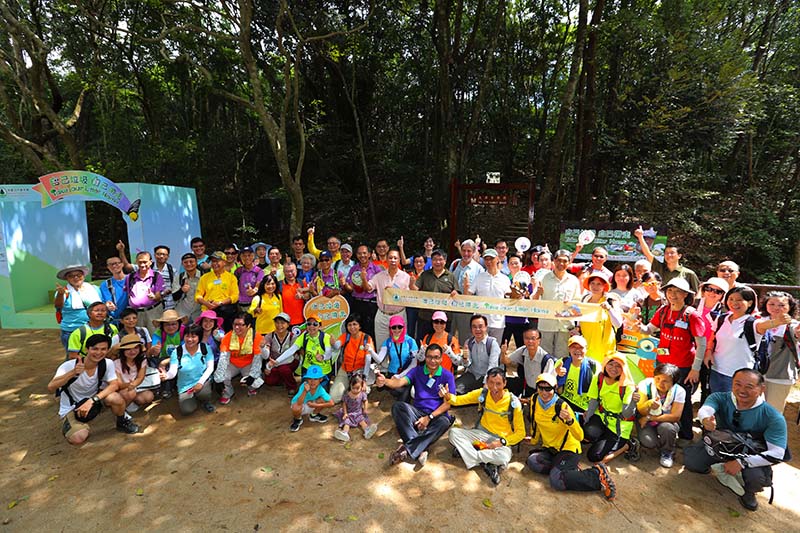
(353, 412)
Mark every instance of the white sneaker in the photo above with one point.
(132, 408)
(666, 459)
(732, 482)
(370, 431)
(341, 435)
(423, 458)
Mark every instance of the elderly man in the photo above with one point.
(464, 272)
(671, 267)
(422, 423)
(531, 360)
(363, 299)
(729, 271)
(81, 382)
(97, 313)
(343, 265)
(112, 290)
(275, 267)
(145, 288)
(71, 299)
(560, 286)
(218, 290)
(742, 411)
(333, 243)
(395, 278)
(491, 283)
(483, 354)
(436, 279)
(500, 425)
(188, 280)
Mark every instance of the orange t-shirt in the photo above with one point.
(291, 305)
(441, 340)
(355, 352)
(240, 360)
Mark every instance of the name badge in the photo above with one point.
(217, 282)
(681, 324)
(431, 382)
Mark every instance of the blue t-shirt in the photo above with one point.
(762, 419)
(313, 395)
(72, 319)
(120, 296)
(400, 355)
(426, 387)
(192, 366)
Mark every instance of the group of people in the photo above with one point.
(235, 319)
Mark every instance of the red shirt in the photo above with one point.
(677, 336)
(291, 305)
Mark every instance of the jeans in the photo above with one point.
(720, 382)
(696, 459)
(405, 415)
(563, 469)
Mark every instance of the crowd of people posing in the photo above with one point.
(234, 320)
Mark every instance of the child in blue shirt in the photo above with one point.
(310, 399)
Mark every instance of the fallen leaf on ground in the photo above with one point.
(53, 478)
(734, 513)
(140, 492)
(348, 446)
(381, 455)
(352, 518)
(266, 469)
(487, 503)
(328, 518)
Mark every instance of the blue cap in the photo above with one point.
(314, 372)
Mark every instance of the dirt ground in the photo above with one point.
(240, 469)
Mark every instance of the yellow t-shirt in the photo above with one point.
(612, 403)
(217, 288)
(270, 308)
(552, 432)
(495, 414)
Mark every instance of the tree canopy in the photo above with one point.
(357, 116)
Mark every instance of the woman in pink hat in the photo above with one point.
(212, 331)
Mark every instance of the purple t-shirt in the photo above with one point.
(354, 278)
(426, 398)
(138, 288)
(248, 277)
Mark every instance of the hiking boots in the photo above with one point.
(748, 501)
(126, 425)
(607, 485)
(493, 471)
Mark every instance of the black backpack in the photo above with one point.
(101, 371)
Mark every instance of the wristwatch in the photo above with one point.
(431, 417)
(95, 399)
(503, 441)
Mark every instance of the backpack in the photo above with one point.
(110, 287)
(762, 355)
(513, 404)
(427, 339)
(203, 354)
(101, 371)
(489, 340)
(532, 412)
(364, 340)
(617, 416)
(583, 386)
(406, 342)
(321, 340)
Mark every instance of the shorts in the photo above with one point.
(72, 425)
(307, 410)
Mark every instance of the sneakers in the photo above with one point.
(667, 459)
(132, 408)
(126, 425)
(732, 482)
(493, 471)
(423, 458)
(748, 501)
(252, 392)
(607, 485)
(370, 431)
(341, 435)
(296, 423)
(208, 407)
(318, 418)
(399, 455)
(224, 400)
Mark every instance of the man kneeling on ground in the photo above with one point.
(86, 384)
(499, 426)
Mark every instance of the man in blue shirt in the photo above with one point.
(743, 410)
(113, 291)
(422, 423)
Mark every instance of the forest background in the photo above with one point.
(357, 116)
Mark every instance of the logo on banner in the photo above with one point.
(85, 186)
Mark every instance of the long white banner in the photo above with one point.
(581, 312)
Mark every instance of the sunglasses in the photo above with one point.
(599, 256)
(724, 269)
(712, 289)
(544, 388)
(324, 260)
(312, 323)
(396, 327)
(440, 322)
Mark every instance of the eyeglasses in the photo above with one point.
(440, 321)
(396, 327)
(650, 283)
(312, 323)
(113, 264)
(725, 269)
(712, 289)
(544, 388)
